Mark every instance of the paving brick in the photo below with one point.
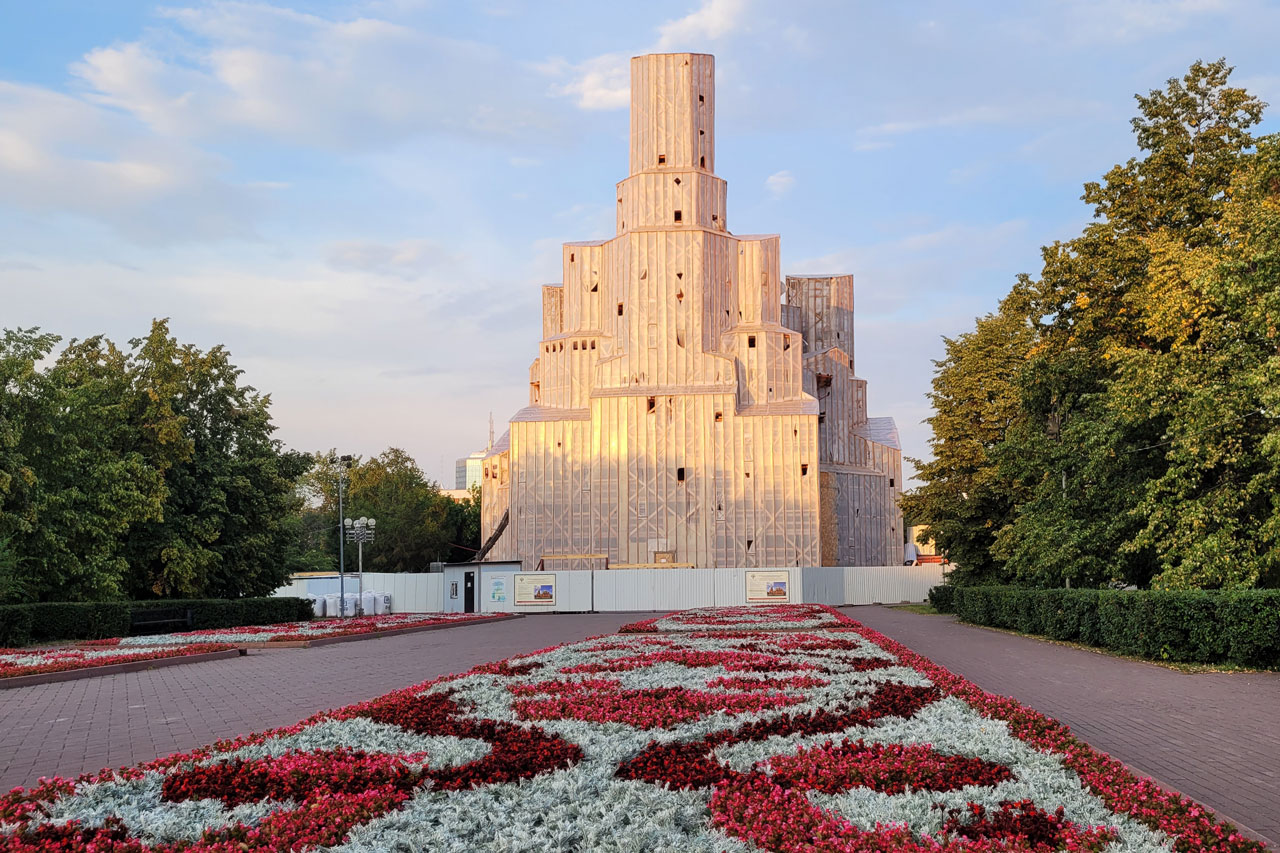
(73, 727)
(1211, 736)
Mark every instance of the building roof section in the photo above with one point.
(881, 431)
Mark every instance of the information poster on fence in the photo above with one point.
(498, 590)
(768, 587)
(537, 588)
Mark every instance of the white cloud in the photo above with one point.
(407, 259)
(603, 82)
(600, 83)
(780, 183)
(61, 154)
(363, 82)
(715, 19)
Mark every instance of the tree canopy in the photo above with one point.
(1116, 420)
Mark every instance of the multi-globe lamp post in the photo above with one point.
(360, 531)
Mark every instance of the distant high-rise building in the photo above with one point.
(678, 411)
(468, 470)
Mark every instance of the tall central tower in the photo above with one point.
(667, 418)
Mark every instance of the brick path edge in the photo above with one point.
(113, 668)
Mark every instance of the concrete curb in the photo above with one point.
(113, 669)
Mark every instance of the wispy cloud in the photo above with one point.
(603, 82)
(779, 183)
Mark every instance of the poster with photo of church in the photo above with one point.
(768, 587)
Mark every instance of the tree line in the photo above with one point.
(150, 471)
(1116, 419)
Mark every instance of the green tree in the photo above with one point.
(75, 480)
(1082, 516)
(964, 499)
(227, 527)
(1212, 374)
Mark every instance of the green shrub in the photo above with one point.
(22, 624)
(941, 598)
(1190, 626)
(15, 625)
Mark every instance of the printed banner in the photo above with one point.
(769, 587)
(536, 588)
(498, 589)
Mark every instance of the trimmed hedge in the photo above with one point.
(1240, 627)
(941, 597)
(21, 624)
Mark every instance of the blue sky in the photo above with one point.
(360, 199)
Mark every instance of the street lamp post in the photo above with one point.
(360, 531)
(344, 462)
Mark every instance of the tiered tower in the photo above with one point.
(668, 417)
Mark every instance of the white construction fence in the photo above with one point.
(502, 588)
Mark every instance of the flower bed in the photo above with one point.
(707, 740)
(16, 662)
(770, 617)
(291, 632)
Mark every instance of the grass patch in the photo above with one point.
(926, 609)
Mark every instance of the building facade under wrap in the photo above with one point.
(679, 412)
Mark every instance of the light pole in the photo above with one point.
(360, 531)
(343, 462)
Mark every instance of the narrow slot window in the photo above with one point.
(680, 338)
(652, 404)
(719, 417)
(786, 342)
(751, 341)
(662, 159)
(891, 482)
(702, 162)
(593, 344)
(571, 257)
(679, 475)
(619, 309)
(701, 99)
(679, 216)
(804, 469)
(595, 288)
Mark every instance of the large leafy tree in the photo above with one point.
(226, 527)
(73, 477)
(1082, 455)
(964, 499)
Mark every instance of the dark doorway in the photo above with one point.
(469, 591)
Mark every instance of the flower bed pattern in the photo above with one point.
(772, 617)
(289, 632)
(707, 740)
(16, 662)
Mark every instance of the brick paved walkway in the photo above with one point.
(78, 726)
(1212, 736)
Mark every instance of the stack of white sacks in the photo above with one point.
(327, 606)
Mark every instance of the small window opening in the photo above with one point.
(571, 257)
(680, 338)
(751, 340)
(662, 159)
(750, 542)
(702, 133)
(677, 182)
(595, 288)
(679, 275)
(619, 309)
(653, 403)
(748, 473)
(701, 99)
(679, 296)
(702, 162)
(715, 217)
(719, 417)
(804, 469)
(679, 475)
(593, 344)
(575, 345)
(891, 482)
(679, 216)
(786, 342)
(822, 417)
